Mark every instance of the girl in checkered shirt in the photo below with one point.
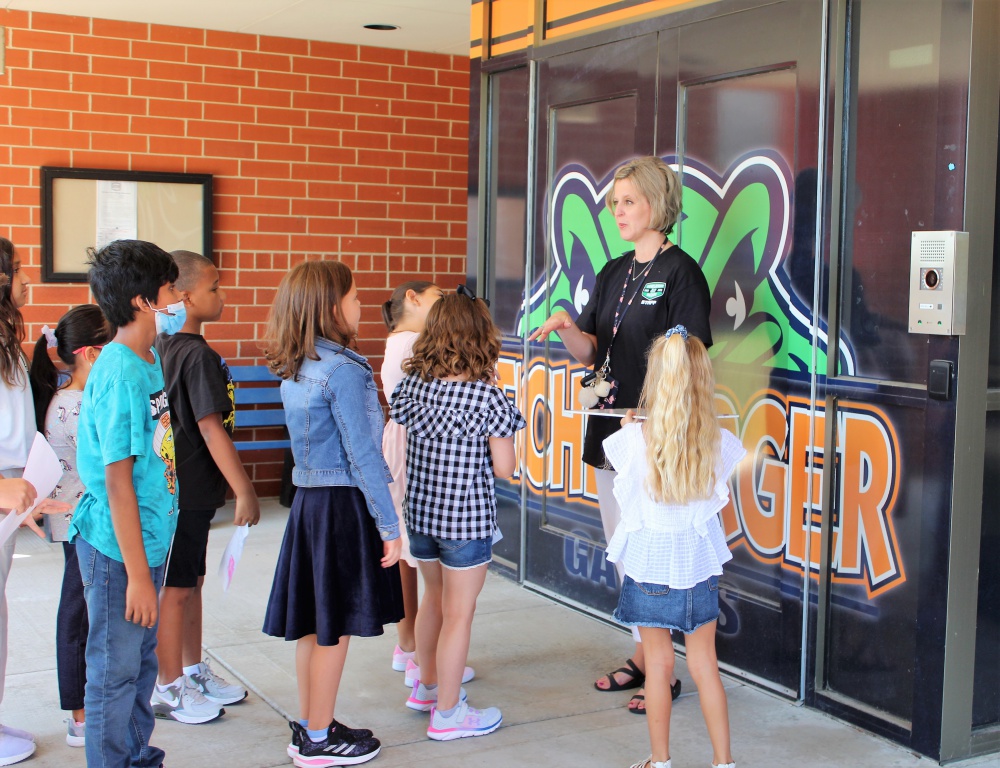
(459, 435)
(673, 471)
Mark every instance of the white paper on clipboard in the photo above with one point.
(43, 471)
(231, 557)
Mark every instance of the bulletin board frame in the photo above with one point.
(174, 217)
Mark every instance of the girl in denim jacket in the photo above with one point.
(337, 573)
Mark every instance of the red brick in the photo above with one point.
(379, 124)
(376, 90)
(332, 120)
(212, 129)
(174, 146)
(332, 226)
(383, 55)
(363, 70)
(240, 149)
(268, 133)
(59, 62)
(281, 224)
(413, 109)
(12, 215)
(365, 140)
(41, 137)
(265, 98)
(70, 102)
(341, 85)
(52, 22)
(330, 191)
(407, 143)
(323, 102)
(283, 117)
(428, 93)
(324, 50)
(190, 110)
(230, 76)
(120, 105)
(128, 29)
(230, 40)
(216, 57)
(213, 165)
(163, 163)
(118, 142)
(84, 159)
(332, 155)
(310, 66)
(98, 122)
(103, 46)
(386, 227)
(410, 75)
(183, 35)
(306, 207)
(322, 244)
(365, 175)
(157, 126)
(381, 192)
(253, 204)
(274, 188)
(284, 45)
(187, 73)
(291, 153)
(459, 80)
(365, 105)
(100, 84)
(311, 136)
(40, 41)
(259, 170)
(265, 61)
(428, 60)
(19, 97)
(119, 67)
(39, 118)
(161, 89)
(282, 81)
(407, 177)
(380, 158)
(230, 113)
(453, 113)
(218, 93)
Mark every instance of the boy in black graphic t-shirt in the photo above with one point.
(202, 411)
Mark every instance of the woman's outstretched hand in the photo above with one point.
(558, 322)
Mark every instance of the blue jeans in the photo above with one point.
(121, 668)
(645, 604)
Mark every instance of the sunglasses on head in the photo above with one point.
(464, 290)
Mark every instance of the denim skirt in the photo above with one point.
(329, 580)
(643, 604)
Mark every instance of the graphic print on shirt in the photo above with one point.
(229, 422)
(163, 438)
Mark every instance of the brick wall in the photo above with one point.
(319, 150)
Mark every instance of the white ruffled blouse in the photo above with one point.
(676, 545)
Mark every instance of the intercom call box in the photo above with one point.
(939, 269)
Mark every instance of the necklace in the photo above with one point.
(644, 269)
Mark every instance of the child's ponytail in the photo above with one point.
(681, 429)
(82, 326)
(393, 309)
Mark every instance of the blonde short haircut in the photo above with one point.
(657, 182)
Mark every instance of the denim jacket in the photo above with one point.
(335, 425)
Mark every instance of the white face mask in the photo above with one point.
(171, 319)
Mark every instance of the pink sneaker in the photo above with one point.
(465, 721)
(400, 658)
(423, 699)
(413, 673)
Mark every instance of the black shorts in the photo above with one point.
(186, 559)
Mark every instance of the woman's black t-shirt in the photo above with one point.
(673, 292)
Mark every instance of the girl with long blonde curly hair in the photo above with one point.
(673, 471)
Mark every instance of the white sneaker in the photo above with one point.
(400, 657)
(76, 733)
(650, 763)
(464, 721)
(14, 749)
(216, 688)
(184, 703)
(413, 673)
(423, 699)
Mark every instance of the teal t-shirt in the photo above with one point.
(124, 413)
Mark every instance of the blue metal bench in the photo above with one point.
(250, 417)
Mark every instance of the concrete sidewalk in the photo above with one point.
(534, 659)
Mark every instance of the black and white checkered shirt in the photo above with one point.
(449, 468)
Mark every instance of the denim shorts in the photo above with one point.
(644, 604)
(458, 554)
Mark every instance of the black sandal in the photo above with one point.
(637, 681)
(675, 691)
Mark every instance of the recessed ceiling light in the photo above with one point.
(381, 27)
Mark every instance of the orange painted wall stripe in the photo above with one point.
(558, 10)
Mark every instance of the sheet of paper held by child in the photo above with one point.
(231, 557)
(43, 471)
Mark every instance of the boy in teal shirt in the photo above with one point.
(126, 518)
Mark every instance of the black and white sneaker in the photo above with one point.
(340, 731)
(336, 749)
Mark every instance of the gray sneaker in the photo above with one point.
(216, 688)
(75, 733)
(184, 703)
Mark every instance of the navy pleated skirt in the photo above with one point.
(329, 581)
